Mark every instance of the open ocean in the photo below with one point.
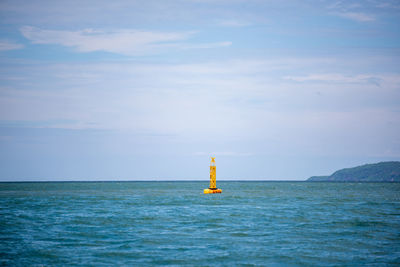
(174, 223)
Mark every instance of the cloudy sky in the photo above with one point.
(103, 90)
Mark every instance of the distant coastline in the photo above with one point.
(378, 172)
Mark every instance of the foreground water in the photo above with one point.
(173, 223)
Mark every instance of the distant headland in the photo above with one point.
(379, 172)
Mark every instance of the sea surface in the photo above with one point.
(174, 223)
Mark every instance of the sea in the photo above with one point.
(173, 223)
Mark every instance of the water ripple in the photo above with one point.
(157, 223)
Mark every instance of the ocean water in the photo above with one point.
(174, 223)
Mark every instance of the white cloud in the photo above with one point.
(357, 16)
(130, 42)
(353, 10)
(389, 5)
(337, 78)
(9, 45)
(127, 42)
(217, 102)
(240, 97)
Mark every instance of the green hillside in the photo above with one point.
(378, 172)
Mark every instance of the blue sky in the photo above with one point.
(280, 90)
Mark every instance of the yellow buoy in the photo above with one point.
(213, 177)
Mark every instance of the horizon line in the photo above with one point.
(152, 180)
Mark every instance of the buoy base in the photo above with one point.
(212, 191)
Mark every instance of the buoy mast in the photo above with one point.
(213, 179)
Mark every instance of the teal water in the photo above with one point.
(174, 223)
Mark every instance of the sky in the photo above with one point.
(150, 90)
